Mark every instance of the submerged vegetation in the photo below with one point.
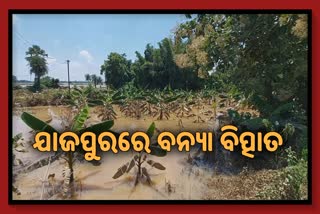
(76, 125)
(248, 70)
(140, 158)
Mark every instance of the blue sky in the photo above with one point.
(85, 39)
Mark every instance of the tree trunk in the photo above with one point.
(37, 83)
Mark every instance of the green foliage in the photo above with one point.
(151, 130)
(36, 124)
(240, 47)
(98, 128)
(96, 80)
(49, 82)
(116, 70)
(80, 119)
(157, 151)
(36, 58)
(78, 127)
(80, 97)
(291, 181)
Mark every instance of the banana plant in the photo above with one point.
(77, 126)
(183, 105)
(208, 95)
(80, 97)
(132, 106)
(161, 102)
(106, 110)
(140, 159)
(223, 100)
(148, 106)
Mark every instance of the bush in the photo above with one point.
(49, 82)
(291, 181)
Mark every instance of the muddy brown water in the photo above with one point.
(180, 180)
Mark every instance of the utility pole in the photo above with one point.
(68, 61)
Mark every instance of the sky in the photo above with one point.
(85, 39)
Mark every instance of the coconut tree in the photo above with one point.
(87, 77)
(36, 58)
(99, 81)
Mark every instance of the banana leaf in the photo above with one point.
(131, 165)
(145, 173)
(92, 103)
(157, 151)
(120, 171)
(99, 128)
(37, 124)
(151, 129)
(80, 119)
(156, 165)
(171, 99)
(253, 124)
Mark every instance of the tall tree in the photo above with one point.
(14, 78)
(263, 55)
(116, 70)
(96, 80)
(148, 53)
(167, 55)
(87, 77)
(99, 81)
(36, 58)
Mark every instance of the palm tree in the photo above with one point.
(94, 79)
(36, 58)
(99, 81)
(87, 77)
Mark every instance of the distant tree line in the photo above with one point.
(264, 56)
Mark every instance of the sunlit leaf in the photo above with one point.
(80, 119)
(151, 129)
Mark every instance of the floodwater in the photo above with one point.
(180, 180)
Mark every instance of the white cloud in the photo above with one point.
(78, 69)
(51, 60)
(85, 54)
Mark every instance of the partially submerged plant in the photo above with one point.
(132, 108)
(199, 119)
(78, 127)
(139, 159)
(80, 97)
(133, 105)
(162, 105)
(106, 111)
(182, 108)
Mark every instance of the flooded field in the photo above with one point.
(180, 180)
